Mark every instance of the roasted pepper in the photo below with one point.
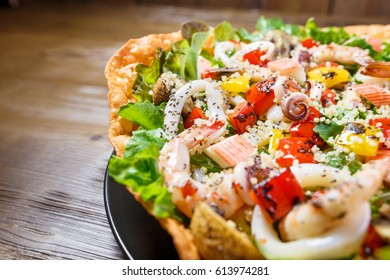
(360, 139)
(276, 135)
(236, 84)
(333, 77)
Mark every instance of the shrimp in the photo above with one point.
(375, 72)
(330, 207)
(338, 53)
(174, 163)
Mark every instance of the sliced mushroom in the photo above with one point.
(284, 42)
(161, 91)
(190, 27)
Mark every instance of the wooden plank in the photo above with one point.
(297, 6)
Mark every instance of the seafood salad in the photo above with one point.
(280, 136)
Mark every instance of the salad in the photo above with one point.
(281, 135)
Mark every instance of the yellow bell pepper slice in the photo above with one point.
(360, 139)
(276, 135)
(236, 84)
(331, 76)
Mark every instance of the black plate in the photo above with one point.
(138, 234)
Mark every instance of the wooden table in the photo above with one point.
(54, 120)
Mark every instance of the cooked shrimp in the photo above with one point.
(174, 163)
(330, 207)
(375, 72)
(338, 53)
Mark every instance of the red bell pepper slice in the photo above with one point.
(261, 96)
(196, 113)
(304, 128)
(294, 148)
(309, 43)
(254, 57)
(328, 97)
(188, 190)
(242, 117)
(385, 126)
(278, 195)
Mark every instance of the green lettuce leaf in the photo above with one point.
(361, 43)
(326, 36)
(328, 130)
(340, 36)
(246, 36)
(176, 58)
(183, 58)
(144, 113)
(138, 169)
(147, 77)
(142, 139)
(344, 160)
(263, 25)
(385, 54)
(202, 160)
(224, 32)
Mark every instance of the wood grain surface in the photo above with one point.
(54, 119)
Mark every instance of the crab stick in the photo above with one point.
(230, 151)
(377, 95)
